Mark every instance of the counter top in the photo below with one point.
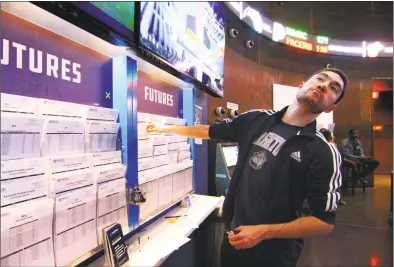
(154, 243)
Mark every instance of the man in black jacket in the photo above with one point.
(283, 163)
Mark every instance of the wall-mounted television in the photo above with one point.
(188, 36)
(113, 22)
(120, 16)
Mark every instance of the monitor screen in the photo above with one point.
(120, 16)
(230, 155)
(190, 36)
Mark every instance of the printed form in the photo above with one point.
(109, 172)
(23, 179)
(26, 234)
(75, 224)
(55, 109)
(105, 158)
(70, 172)
(69, 163)
(18, 105)
(111, 206)
(63, 137)
(20, 137)
(101, 114)
(101, 136)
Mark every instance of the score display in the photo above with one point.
(302, 40)
(306, 45)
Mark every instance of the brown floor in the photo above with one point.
(361, 237)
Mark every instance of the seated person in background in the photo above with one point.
(330, 138)
(352, 150)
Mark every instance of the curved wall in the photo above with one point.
(249, 74)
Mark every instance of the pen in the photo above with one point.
(178, 216)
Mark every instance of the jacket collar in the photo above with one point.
(309, 129)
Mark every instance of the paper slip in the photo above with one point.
(146, 176)
(141, 130)
(66, 181)
(20, 137)
(173, 146)
(22, 168)
(161, 160)
(173, 157)
(101, 136)
(111, 204)
(75, 224)
(145, 148)
(63, 137)
(18, 105)
(101, 114)
(174, 121)
(165, 191)
(143, 117)
(111, 188)
(160, 150)
(146, 163)
(157, 119)
(26, 234)
(159, 140)
(104, 158)
(70, 163)
(184, 155)
(184, 146)
(173, 139)
(109, 172)
(52, 108)
(25, 188)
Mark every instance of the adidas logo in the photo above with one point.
(296, 155)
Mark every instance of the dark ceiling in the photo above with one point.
(369, 21)
(368, 10)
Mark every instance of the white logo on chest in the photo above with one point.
(296, 155)
(257, 160)
(271, 142)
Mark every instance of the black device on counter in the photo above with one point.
(115, 247)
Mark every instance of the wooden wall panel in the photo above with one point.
(382, 114)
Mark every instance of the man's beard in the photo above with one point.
(313, 107)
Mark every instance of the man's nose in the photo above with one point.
(322, 87)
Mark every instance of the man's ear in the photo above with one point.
(301, 85)
(332, 108)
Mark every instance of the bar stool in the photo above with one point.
(348, 176)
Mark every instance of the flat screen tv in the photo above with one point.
(188, 36)
(111, 21)
(120, 16)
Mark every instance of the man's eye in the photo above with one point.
(320, 79)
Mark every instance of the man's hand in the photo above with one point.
(248, 236)
(152, 128)
(196, 131)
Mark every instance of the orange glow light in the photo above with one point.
(375, 95)
(299, 44)
(378, 128)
